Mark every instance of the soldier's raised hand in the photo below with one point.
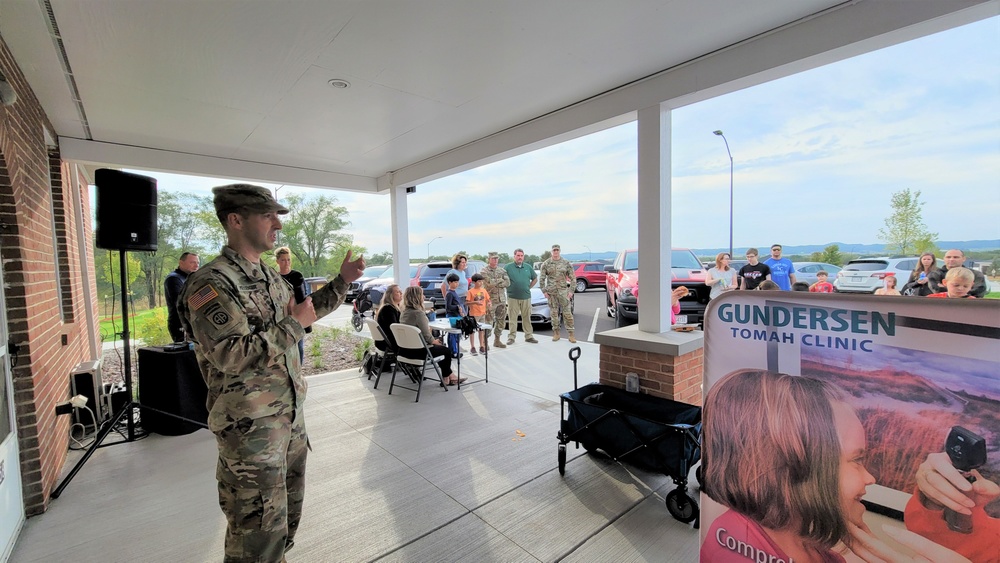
(303, 312)
(352, 270)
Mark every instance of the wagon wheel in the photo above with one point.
(358, 322)
(700, 475)
(562, 459)
(681, 506)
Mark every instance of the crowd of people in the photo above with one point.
(245, 318)
(778, 273)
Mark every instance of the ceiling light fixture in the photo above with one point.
(339, 83)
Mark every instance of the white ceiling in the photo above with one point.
(239, 88)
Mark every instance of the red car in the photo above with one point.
(623, 285)
(588, 275)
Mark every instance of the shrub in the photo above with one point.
(152, 329)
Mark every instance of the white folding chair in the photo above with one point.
(409, 338)
(384, 352)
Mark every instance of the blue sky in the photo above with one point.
(816, 157)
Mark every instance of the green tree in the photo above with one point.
(108, 277)
(313, 231)
(332, 264)
(831, 255)
(379, 258)
(905, 229)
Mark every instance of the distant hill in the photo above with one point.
(854, 248)
(966, 245)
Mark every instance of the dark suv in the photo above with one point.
(623, 286)
(432, 274)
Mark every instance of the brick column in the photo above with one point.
(669, 365)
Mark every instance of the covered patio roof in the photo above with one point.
(243, 89)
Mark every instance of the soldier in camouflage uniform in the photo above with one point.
(556, 280)
(496, 282)
(246, 326)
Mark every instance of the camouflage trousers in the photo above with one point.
(261, 473)
(559, 306)
(497, 316)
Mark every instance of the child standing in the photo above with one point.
(821, 285)
(478, 300)
(453, 308)
(958, 281)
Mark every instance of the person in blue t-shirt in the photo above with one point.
(782, 270)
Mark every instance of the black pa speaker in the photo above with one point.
(126, 211)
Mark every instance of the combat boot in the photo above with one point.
(572, 338)
(497, 343)
(555, 335)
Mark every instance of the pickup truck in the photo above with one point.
(623, 285)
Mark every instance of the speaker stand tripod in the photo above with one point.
(130, 404)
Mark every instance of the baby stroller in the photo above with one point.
(364, 306)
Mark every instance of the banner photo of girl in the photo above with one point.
(850, 428)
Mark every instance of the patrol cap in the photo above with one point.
(235, 197)
(555, 247)
(494, 254)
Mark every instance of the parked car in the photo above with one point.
(370, 273)
(540, 312)
(865, 275)
(388, 278)
(314, 284)
(588, 275)
(806, 271)
(623, 285)
(431, 274)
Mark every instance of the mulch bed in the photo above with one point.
(326, 350)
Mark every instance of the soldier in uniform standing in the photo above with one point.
(556, 278)
(496, 281)
(246, 326)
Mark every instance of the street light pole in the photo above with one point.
(429, 247)
(719, 133)
(590, 255)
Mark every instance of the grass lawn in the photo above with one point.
(110, 333)
(993, 295)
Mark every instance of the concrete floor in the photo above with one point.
(446, 479)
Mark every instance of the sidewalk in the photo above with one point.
(466, 475)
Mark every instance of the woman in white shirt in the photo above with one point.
(721, 277)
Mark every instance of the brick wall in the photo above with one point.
(37, 195)
(672, 377)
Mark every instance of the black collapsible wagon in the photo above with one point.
(656, 434)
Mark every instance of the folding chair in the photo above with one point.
(409, 338)
(384, 351)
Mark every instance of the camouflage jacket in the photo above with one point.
(555, 276)
(496, 281)
(245, 340)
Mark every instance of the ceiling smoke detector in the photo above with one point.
(339, 83)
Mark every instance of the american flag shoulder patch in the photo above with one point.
(202, 297)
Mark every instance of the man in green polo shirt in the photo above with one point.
(522, 279)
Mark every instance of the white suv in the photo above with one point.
(865, 275)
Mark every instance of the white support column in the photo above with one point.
(654, 219)
(400, 236)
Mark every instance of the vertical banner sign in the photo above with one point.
(846, 428)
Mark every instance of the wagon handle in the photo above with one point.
(574, 355)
